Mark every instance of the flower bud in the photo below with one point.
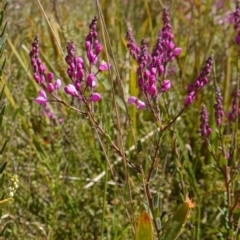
(95, 97)
(71, 90)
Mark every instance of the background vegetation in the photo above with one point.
(54, 162)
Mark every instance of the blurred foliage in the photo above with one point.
(55, 161)
(6, 192)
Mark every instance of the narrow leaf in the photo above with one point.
(3, 39)
(1, 151)
(156, 212)
(2, 167)
(3, 65)
(3, 31)
(1, 16)
(144, 229)
(154, 173)
(139, 146)
(2, 178)
(2, 113)
(156, 200)
(1, 94)
(5, 227)
(5, 7)
(174, 226)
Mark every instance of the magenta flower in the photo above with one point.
(95, 97)
(237, 23)
(140, 104)
(57, 84)
(132, 100)
(135, 101)
(60, 120)
(166, 84)
(92, 45)
(91, 80)
(200, 81)
(42, 98)
(71, 90)
(92, 57)
(176, 52)
(152, 90)
(50, 76)
(83, 79)
(50, 87)
(152, 65)
(205, 130)
(104, 66)
(218, 107)
(98, 48)
(189, 99)
(232, 116)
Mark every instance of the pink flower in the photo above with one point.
(219, 4)
(132, 100)
(189, 99)
(50, 76)
(71, 90)
(87, 45)
(50, 87)
(152, 90)
(140, 104)
(176, 52)
(98, 49)
(95, 97)
(92, 57)
(60, 120)
(37, 78)
(42, 93)
(57, 84)
(104, 66)
(166, 84)
(42, 98)
(90, 80)
(237, 39)
(135, 101)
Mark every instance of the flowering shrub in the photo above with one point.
(152, 66)
(153, 84)
(84, 80)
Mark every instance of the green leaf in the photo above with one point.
(1, 94)
(120, 103)
(156, 212)
(3, 31)
(1, 114)
(154, 173)
(1, 16)
(4, 145)
(3, 66)
(2, 167)
(3, 39)
(156, 200)
(5, 7)
(144, 229)
(2, 180)
(5, 227)
(139, 146)
(174, 226)
(3, 195)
